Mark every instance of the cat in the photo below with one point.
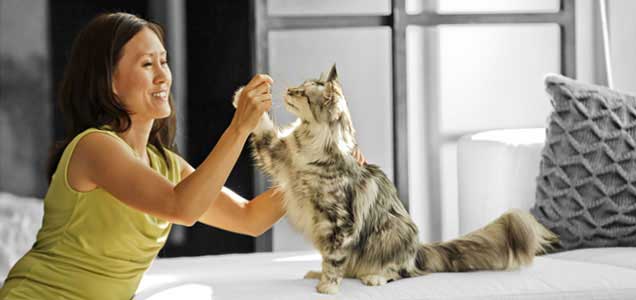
(351, 212)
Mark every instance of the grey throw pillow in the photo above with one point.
(586, 185)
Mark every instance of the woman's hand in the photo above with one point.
(357, 154)
(254, 100)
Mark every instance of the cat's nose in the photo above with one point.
(292, 92)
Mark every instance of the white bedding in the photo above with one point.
(608, 273)
(20, 220)
(604, 273)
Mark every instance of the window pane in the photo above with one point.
(365, 75)
(449, 205)
(328, 7)
(499, 82)
(482, 6)
(622, 25)
(422, 208)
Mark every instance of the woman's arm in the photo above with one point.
(108, 164)
(234, 213)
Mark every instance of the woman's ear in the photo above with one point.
(114, 85)
(114, 81)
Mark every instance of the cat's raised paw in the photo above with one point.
(327, 288)
(373, 280)
(313, 275)
(235, 99)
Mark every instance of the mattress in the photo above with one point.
(608, 273)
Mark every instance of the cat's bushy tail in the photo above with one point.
(509, 242)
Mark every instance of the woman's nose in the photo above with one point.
(162, 75)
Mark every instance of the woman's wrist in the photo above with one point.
(238, 131)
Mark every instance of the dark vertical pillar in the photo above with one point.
(218, 62)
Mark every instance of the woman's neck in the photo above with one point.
(137, 136)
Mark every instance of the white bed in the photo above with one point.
(604, 273)
(497, 172)
(608, 273)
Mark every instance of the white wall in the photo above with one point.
(623, 44)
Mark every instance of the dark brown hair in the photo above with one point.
(86, 97)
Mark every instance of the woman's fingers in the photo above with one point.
(254, 100)
(357, 154)
(266, 105)
(263, 88)
(261, 98)
(257, 80)
(264, 102)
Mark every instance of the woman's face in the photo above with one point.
(142, 78)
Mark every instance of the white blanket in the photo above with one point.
(20, 220)
(608, 273)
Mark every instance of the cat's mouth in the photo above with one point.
(288, 102)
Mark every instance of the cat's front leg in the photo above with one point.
(265, 125)
(333, 267)
(332, 235)
(333, 247)
(264, 138)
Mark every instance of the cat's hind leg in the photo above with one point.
(313, 275)
(374, 279)
(381, 276)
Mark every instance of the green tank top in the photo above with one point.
(91, 245)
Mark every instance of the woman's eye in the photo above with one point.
(165, 62)
(147, 64)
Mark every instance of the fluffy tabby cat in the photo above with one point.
(352, 214)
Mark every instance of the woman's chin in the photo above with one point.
(163, 113)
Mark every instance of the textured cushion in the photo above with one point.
(585, 189)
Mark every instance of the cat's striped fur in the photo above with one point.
(352, 214)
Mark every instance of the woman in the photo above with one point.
(116, 186)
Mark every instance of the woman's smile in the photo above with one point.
(161, 95)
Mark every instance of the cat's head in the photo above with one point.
(318, 100)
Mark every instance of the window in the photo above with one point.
(428, 72)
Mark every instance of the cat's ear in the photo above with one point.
(323, 77)
(332, 75)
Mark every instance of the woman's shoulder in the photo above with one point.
(93, 148)
(98, 144)
(89, 131)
